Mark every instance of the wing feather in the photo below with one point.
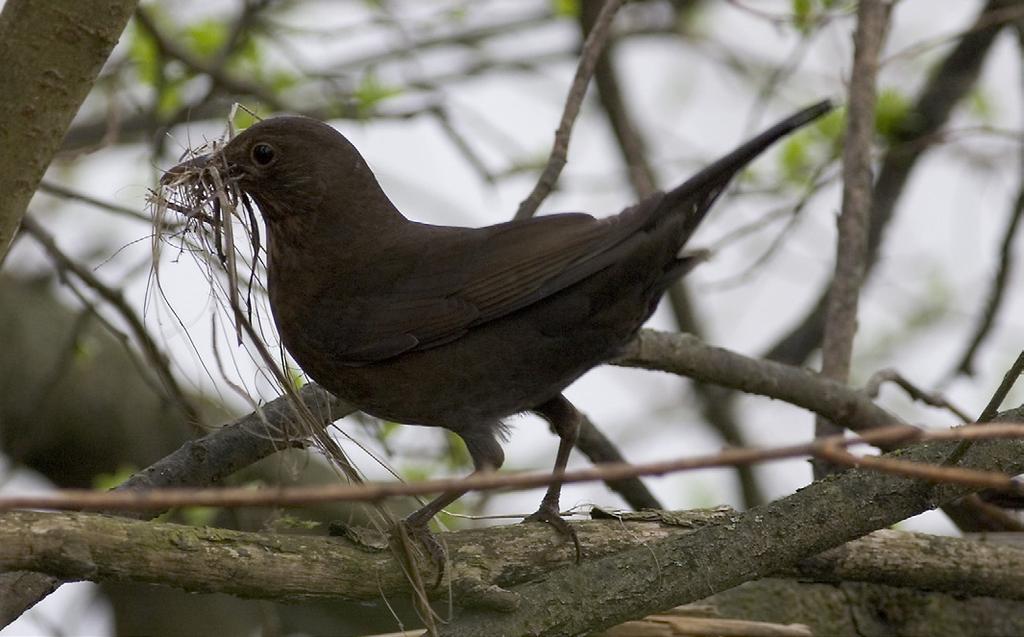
(469, 277)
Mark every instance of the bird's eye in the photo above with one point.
(263, 154)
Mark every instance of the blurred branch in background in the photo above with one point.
(156, 358)
(718, 406)
(916, 135)
(997, 293)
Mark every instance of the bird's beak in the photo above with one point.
(190, 167)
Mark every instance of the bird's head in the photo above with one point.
(292, 168)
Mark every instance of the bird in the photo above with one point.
(456, 327)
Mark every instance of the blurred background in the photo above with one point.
(454, 105)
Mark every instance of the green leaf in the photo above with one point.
(417, 473)
(144, 54)
(387, 429)
(242, 120)
(168, 99)
(282, 80)
(458, 455)
(980, 105)
(811, 147)
(371, 92)
(832, 127)
(891, 111)
(566, 8)
(803, 14)
(794, 158)
(246, 56)
(295, 374)
(207, 37)
(104, 481)
(199, 516)
(808, 13)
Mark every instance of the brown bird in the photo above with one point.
(456, 327)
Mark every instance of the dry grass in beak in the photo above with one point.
(216, 214)
(204, 193)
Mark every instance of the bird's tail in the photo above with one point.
(701, 190)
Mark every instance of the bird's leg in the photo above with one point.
(565, 422)
(487, 456)
(418, 525)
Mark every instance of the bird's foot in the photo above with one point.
(435, 550)
(549, 513)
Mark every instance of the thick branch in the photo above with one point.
(234, 446)
(689, 356)
(52, 52)
(292, 568)
(680, 570)
(854, 609)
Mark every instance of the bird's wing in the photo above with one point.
(484, 275)
(462, 278)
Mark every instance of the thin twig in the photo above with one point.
(59, 190)
(84, 499)
(834, 452)
(1009, 379)
(116, 300)
(851, 246)
(992, 408)
(998, 290)
(874, 385)
(592, 47)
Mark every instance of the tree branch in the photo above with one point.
(851, 239)
(667, 573)
(592, 47)
(718, 406)
(997, 292)
(950, 82)
(154, 355)
(296, 568)
(688, 356)
(52, 53)
(198, 463)
(833, 448)
(854, 609)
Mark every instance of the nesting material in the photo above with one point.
(208, 199)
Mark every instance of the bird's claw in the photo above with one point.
(435, 550)
(549, 513)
